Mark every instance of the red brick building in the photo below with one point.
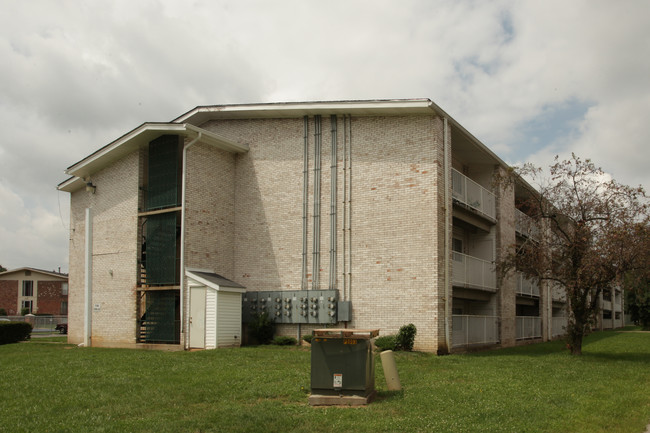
(42, 292)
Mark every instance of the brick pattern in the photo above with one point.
(50, 297)
(244, 221)
(395, 170)
(115, 248)
(9, 297)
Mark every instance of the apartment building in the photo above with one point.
(360, 214)
(33, 290)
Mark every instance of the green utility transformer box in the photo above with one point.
(342, 367)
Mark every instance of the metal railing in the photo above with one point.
(474, 330)
(558, 326)
(526, 286)
(528, 327)
(42, 325)
(470, 193)
(525, 225)
(468, 271)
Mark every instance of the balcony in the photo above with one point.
(525, 225)
(472, 272)
(528, 327)
(526, 287)
(473, 195)
(474, 330)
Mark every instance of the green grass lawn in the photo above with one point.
(538, 388)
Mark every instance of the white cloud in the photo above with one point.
(77, 75)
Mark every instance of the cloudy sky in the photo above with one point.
(530, 79)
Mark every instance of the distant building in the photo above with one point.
(365, 214)
(41, 292)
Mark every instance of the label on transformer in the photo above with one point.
(338, 380)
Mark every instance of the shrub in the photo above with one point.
(24, 311)
(307, 338)
(3, 312)
(13, 332)
(261, 329)
(386, 342)
(282, 340)
(406, 337)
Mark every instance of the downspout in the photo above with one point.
(317, 180)
(182, 272)
(305, 205)
(88, 291)
(305, 212)
(345, 204)
(447, 175)
(350, 208)
(333, 192)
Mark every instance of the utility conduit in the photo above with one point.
(333, 187)
(317, 186)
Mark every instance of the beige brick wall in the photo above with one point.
(395, 215)
(114, 212)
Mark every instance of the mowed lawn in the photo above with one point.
(48, 386)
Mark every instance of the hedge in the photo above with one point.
(13, 332)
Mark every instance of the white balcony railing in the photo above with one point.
(468, 271)
(558, 326)
(528, 327)
(474, 330)
(526, 286)
(525, 225)
(470, 193)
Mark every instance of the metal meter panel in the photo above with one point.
(275, 306)
(300, 304)
(249, 306)
(287, 306)
(265, 304)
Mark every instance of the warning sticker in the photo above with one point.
(338, 380)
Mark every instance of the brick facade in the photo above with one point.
(9, 297)
(244, 220)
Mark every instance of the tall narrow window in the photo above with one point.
(28, 288)
(27, 304)
(64, 289)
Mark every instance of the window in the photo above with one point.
(64, 308)
(28, 288)
(64, 289)
(457, 249)
(27, 304)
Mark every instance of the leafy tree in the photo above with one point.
(637, 285)
(2, 269)
(594, 228)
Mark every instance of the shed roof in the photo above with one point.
(214, 280)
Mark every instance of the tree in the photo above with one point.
(591, 227)
(637, 285)
(2, 269)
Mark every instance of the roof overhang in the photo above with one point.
(392, 107)
(133, 140)
(40, 271)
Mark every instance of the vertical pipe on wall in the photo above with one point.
(305, 205)
(333, 195)
(88, 278)
(447, 176)
(349, 207)
(345, 204)
(317, 180)
(184, 341)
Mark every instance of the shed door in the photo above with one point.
(197, 317)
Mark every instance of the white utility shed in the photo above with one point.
(215, 310)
